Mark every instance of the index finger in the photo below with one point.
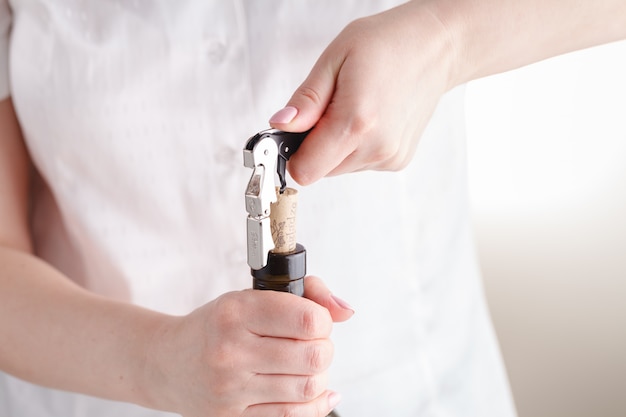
(277, 314)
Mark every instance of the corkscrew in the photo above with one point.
(267, 154)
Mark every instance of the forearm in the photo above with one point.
(493, 36)
(54, 333)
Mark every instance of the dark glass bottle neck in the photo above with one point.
(284, 272)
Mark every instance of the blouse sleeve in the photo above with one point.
(5, 33)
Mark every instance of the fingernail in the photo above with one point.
(333, 399)
(342, 303)
(285, 115)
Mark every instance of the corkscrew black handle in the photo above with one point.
(287, 143)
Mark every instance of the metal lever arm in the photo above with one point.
(287, 144)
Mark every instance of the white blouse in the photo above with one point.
(135, 113)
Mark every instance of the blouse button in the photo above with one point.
(216, 51)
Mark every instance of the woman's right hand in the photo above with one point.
(248, 353)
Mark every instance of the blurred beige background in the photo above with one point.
(547, 149)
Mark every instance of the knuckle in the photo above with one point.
(309, 389)
(309, 323)
(222, 350)
(318, 357)
(228, 311)
(397, 161)
(314, 358)
(313, 386)
(401, 162)
(310, 94)
(361, 123)
(364, 135)
(386, 153)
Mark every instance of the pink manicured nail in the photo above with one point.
(342, 303)
(333, 399)
(285, 115)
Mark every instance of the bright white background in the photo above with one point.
(547, 149)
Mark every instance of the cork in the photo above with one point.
(283, 220)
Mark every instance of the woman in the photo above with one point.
(120, 292)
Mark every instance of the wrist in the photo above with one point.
(438, 31)
(490, 37)
(153, 364)
(125, 360)
(451, 24)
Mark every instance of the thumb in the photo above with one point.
(315, 290)
(308, 103)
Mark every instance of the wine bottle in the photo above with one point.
(286, 263)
